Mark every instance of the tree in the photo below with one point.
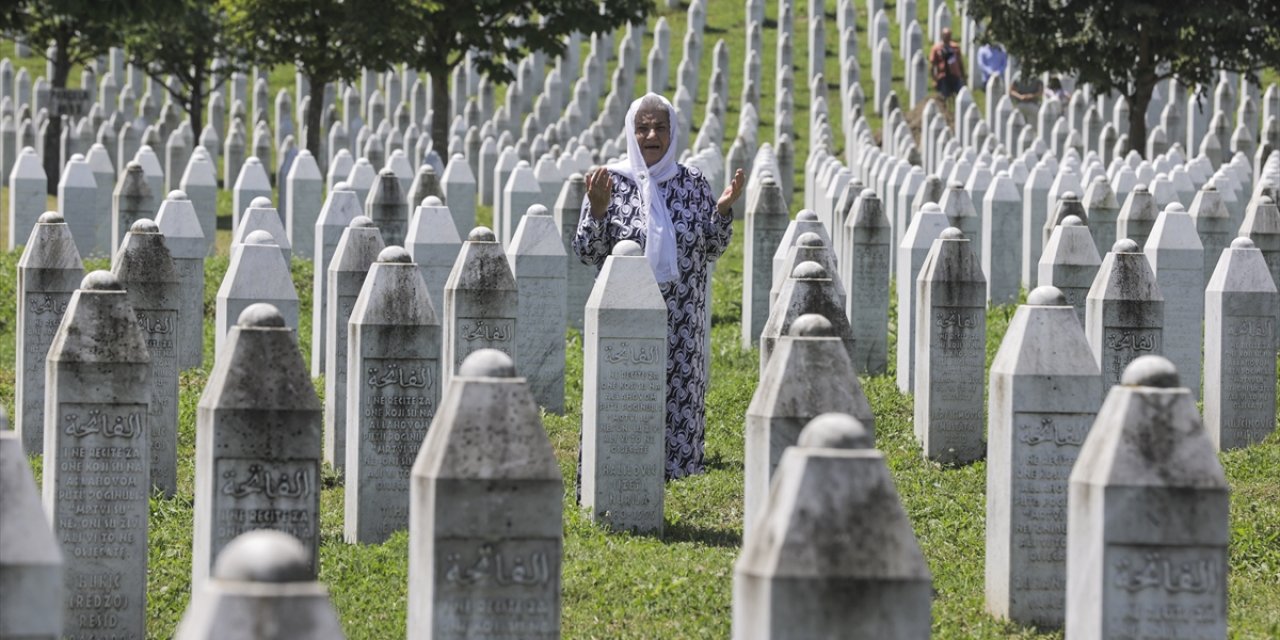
(328, 40)
(181, 39)
(435, 38)
(1130, 46)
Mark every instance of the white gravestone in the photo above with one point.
(624, 404)
(1239, 335)
(1043, 398)
(261, 216)
(1070, 263)
(925, 226)
(951, 331)
(486, 515)
(1137, 215)
(1147, 517)
(97, 443)
(434, 243)
(257, 273)
(1124, 313)
(808, 247)
(393, 391)
(481, 303)
(387, 207)
(78, 200)
(131, 201)
(49, 272)
(810, 289)
(832, 554)
(257, 442)
(459, 185)
(1176, 256)
(303, 203)
(183, 236)
(1001, 238)
(252, 183)
(537, 260)
(27, 188)
(200, 183)
(868, 285)
(581, 276)
(145, 269)
(1213, 224)
(31, 561)
(520, 192)
(765, 223)
(357, 250)
(339, 210)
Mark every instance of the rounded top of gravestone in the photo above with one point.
(955, 184)
(396, 254)
(809, 270)
(1004, 173)
(77, 157)
(576, 177)
(304, 152)
(1175, 207)
(144, 225)
(1141, 187)
(50, 217)
(1072, 221)
(177, 194)
(101, 281)
(342, 186)
(133, 166)
(456, 156)
(260, 236)
(835, 431)
(28, 151)
(387, 172)
(263, 555)
(931, 207)
(868, 193)
(537, 210)
(363, 222)
(1151, 371)
(252, 160)
(1209, 186)
(432, 201)
(488, 363)
(952, 233)
(362, 160)
(807, 215)
(1125, 245)
(260, 202)
(1069, 195)
(481, 234)
(261, 314)
(1047, 296)
(1243, 242)
(809, 239)
(1264, 199)
(628, 248)
(812, 325)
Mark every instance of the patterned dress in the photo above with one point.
(701, 236)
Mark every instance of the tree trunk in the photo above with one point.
(1138, 103)
(53, 137)
(440, 112)
(315, 112)
(195, 103)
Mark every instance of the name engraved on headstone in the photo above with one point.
(1122, 345)
(495, 589)
(630, 396)
(42, 314)
(258, 493)
(957, 376)
(399, 408)
(1248, 360)
(484, 333)
(160, 329)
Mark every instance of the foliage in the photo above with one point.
(81, 29)
(1130, 46)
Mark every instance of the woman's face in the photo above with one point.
(653, 134)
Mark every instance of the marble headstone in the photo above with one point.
(1124, 312)
(31, 561)
(537, 260)
(481, 303)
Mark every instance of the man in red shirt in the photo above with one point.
(947, 65)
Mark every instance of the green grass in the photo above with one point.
(679, 586)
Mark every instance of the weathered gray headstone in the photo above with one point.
(200, 183)
(1124, 312)
(1262, 225)
(1239, 338)
(257, 442)
(145, 269)
(1147, 525)
(31, 561)
(486, 513)
(97, 480)
(261, 216)
(27, 188)
(1213, 224)
(257, 273)
(1044, 395)
(1070, 263)
(832, 553)
(357, 250)
(387, 208)
(393, 391)
(183, 236)
(1002, 211)
(434, 243)
(809, 289)
(868, 284)
(341, 207)
(537, 260)
(1177, 258)
(459, 184)
(766, 222)
(1137, 216)
(951, 331)
(624, 404)
(261, 588)
(252, 183)
(926, 225)
(520, 191)
(49, 271)
(1101, 209)
(1035, 208)
(961, 214)
(481, 303)
(303, 203)
(568, 210)
(132, 200)
(1068, 205)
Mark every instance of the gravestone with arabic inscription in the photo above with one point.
(481, 303)
(97, 444)
(868, 283)
(393, 390)
(183, 236)
(537, 259)
(624, 404)
(1070, 263)
(257, 442)
(146, 271)
(1147, 514)
(486, 515)
(1043, 398)
(131, 201)
(1176, 256)
(1124, 312)
(809, 289)
(49, 272)
(31, 562)
(387, 207)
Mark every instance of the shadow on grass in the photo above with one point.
(710, 536)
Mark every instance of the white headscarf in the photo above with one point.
(660, 237)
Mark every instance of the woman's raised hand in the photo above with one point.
(731, 193)
(599, 187)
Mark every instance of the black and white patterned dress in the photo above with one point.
(701, 236)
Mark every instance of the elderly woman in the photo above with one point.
(670, 210)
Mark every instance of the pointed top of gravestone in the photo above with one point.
(50, 217)
(835, 431)
(395, 254)
(261, 314)
(260, 237)
(482, 234)
(1151, 371)
(951, 233)
(809, 270)
(101, 281)
(627, 248)
(361, 222)
(807, 215)
(1047, 296)
(1072, 221)
(487, 363)
(1243, 242)
(144, 225)
(812, 325)
(1125, 245)
(810, 239)
(263, 555)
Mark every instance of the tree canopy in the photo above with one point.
(1130, 46)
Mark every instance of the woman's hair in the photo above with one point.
(652, 102)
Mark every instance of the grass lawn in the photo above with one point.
(679, 586)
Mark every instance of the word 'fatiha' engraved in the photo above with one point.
(1131, 340)
(488, 564)
(47, 304)
(1253, 327)
(1197, 577)
(395, 375)
(948, 319)
(260, 480)
(638, 355)
(482, 331)
(155, 325)
(1050, 431)
(124, 426)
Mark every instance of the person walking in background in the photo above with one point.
(992, 59)
(947, 66)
